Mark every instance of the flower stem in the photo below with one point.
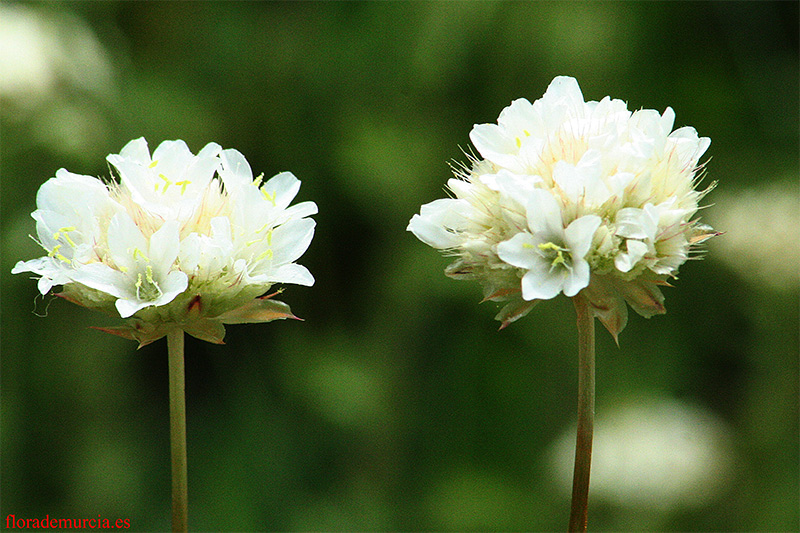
(583, 445)
(177, 431)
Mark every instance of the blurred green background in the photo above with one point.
(397, 405)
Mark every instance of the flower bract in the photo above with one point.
(181, 240)
(570, 196)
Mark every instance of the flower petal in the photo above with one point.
(544, 214)
(577, 278)
(440, 222)
(291, 240)
(579, 235)
(542, 283)
(104, 278)
(292, 273)
(164, 247)
(281, 189)
(125, 241)
(519, 251)
(235, 171)
(635, 251)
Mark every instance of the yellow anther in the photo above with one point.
(138, 284)
(269, 237)
(149, 274)
(183, 185)
(123, 269)
(153, 164)
(64, 259)
(519, 142)
(258, 179)
(54, 251)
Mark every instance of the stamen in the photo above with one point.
(559, 256)
(54, 253)
(149, 274)
(138, 253)
(268, 196)
(66, 231)
(544, 246)
(167, 182)
(265, 255)
(147, 288)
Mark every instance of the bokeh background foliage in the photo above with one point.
(397, 405)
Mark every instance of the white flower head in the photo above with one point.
(182, 240)
(572, 196)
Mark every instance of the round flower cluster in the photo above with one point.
(182, 240)
(572, 196)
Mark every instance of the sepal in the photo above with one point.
(514, 310)
(142, 332)
(211, 330)
(259, 310)
(607, 305)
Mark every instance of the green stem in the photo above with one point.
(177, 431)
(583, 445)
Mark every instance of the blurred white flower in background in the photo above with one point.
(762, 237)
(656, 455)
(183, 240)
(569, 196)
(56, 78)
(39, 51)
